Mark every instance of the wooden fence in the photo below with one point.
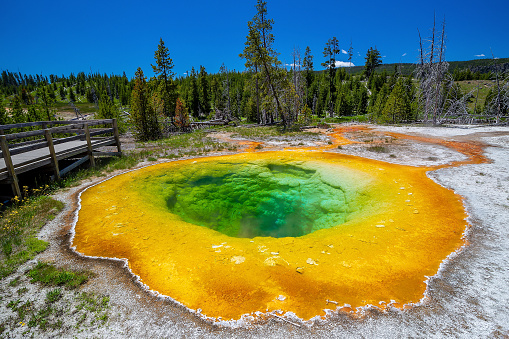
(44, 143)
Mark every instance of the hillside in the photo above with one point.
(478, 65)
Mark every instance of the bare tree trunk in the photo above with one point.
(438, 97)
(498, 103)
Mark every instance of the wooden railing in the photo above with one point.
(47, 142)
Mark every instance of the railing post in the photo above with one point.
(89, 146)
(116, 135)
(10, 166)
(52, 153)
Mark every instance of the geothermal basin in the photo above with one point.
(296, 232)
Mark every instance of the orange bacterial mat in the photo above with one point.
(364, 232)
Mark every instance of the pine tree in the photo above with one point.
(307, 64)
(107, 109)
(62, 92)
(379, 104)
(47, 101)
(225, 77)
(373, 60)
(34, 114)
(397, 108)
(72, 97)
(163, 70)
(4, 117)
(330, 51)
(143, 115)
(181, 116)
(18, 116)
(259, 52)
(204, 91)
(194, 97)
(350, 54)
(342, 105)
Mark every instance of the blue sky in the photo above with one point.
(60, 37)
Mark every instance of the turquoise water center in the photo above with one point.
(274, 198)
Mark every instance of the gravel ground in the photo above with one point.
(467, 298)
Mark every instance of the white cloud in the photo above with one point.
(480, 55)
(344, 52)
(344, 64)
(404, 54)
(292, 64)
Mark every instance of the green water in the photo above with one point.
(265, 199)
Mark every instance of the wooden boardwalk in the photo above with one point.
(49, 142)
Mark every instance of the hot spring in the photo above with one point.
(296, 231)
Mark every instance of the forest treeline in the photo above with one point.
(266, 91)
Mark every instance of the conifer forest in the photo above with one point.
(309, 91)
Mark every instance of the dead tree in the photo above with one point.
(439, 98)
(497, 104)
(76, 110)
(298, 85)
(226, 88)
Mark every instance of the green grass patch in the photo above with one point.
(22, 291)
(97, 305)
(15, 282)
(49, 275)
(19, 226)
(336, 120)
(472, 86)
(53, 295)
(103, 166)
(265, 132)
(61, 301)
(195, 141)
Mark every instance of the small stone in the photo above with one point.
(281, 298)
(300, 270)
(416, 212)
(311, 262)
